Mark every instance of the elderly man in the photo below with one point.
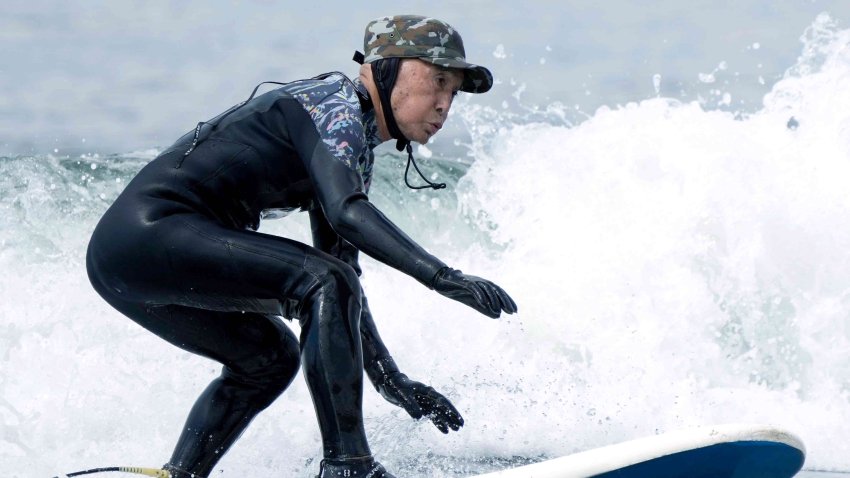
(179, 254)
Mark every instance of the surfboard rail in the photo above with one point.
(745, 442)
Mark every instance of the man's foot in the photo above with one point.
(353, 468)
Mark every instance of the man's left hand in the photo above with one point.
(420, 400)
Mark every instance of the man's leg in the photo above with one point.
(332, 358)
(260, 357)
(222, 285)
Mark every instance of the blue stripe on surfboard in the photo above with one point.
(743, 459)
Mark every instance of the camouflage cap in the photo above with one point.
(429, 39)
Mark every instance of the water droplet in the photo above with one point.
(499, 52)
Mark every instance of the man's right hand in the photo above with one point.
(480, 294)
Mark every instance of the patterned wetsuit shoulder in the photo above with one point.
(333, 105)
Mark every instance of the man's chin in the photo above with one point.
(421, 138)
(425, 138)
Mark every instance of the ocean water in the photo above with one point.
(677, 262)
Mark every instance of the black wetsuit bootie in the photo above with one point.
(353, 468)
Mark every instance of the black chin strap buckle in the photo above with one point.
(410, 160)
(359, 57)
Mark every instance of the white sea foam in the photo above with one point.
(677, 266)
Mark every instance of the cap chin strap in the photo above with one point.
(429, 184)
(385, 74)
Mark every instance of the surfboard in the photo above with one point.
(721, 451)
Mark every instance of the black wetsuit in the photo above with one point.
(178, 253)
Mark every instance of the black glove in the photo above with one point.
(418, 399)
(482, 295)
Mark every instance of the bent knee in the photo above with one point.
(334, 275)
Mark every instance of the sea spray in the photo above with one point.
(687, 266)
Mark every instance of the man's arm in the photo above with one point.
(339, 191)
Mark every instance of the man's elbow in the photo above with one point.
(347, 218)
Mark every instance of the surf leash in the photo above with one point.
(155, 472)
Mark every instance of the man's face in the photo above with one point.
(422, 97)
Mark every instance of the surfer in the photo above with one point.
(178, 252)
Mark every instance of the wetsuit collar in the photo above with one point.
(363, 95)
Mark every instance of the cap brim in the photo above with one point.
(477, 79)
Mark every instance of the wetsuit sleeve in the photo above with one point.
(374, 350)
(340, 193)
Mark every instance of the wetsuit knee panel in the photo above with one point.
(334, 274)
